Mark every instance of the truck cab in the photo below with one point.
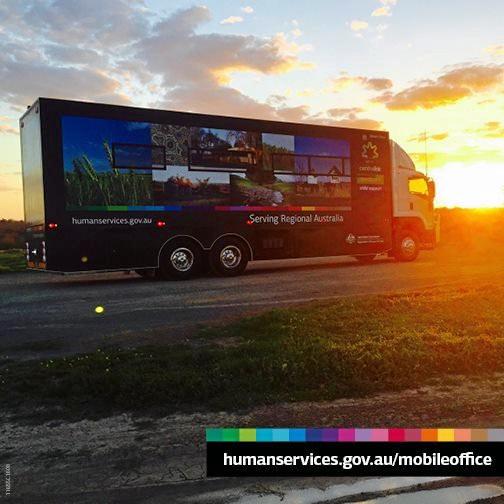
(415, 222)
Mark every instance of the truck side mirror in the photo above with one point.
(432, 188)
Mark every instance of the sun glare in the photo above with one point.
(478, 185)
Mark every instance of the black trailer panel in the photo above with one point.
(120, 182)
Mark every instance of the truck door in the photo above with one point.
(420, 200)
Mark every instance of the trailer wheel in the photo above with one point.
(365, 259)
(229, 257)
(406, 246)
(180, 260)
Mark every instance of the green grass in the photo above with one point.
(107, 189)
(12, 260)
(349, 347)
(86, 186)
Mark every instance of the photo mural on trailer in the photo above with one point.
(112, 163)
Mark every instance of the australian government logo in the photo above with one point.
(351, 239)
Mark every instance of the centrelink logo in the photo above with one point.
(370, 150)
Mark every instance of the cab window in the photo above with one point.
(418, 186)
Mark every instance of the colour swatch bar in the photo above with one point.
(351, 435)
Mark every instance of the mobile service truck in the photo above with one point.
(172, 194)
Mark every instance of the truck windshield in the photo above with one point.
(418, 186)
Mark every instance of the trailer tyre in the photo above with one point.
(406, 246)
(180, 260)
(229, 257)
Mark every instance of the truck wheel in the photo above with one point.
(229, 257)
(180, 260)
(406, 246)
(365, 259)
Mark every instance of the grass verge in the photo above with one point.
(12, 260)
(322, 351)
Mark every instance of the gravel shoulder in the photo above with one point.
(163, 457)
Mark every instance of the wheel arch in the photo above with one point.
(414, 224)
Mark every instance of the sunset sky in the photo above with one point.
(401, 65)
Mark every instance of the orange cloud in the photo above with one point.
(373, 83)
(286, 47)
(282, 64)
(214, 57)
(448, 88)
(5, 128)
(497, 49)
(347, 117)
(377, 84)
(384, 10)
(476, 77)
(232, 20)
(464, 154)
(359, 122)
(344, 112)
(492, 129)
(293, 114)
(434, 136)
(423, 97)
(279, 56)
(357, 25)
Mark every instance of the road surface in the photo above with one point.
(37, 307)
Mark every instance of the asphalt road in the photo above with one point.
(36, 307)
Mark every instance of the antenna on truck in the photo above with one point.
(426, 158)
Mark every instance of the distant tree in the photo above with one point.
(11, 234)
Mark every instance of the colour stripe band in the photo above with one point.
(393, 435)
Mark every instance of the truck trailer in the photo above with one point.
(173, 194)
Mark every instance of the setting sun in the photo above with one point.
(477, 185)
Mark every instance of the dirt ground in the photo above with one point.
(60, 461)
